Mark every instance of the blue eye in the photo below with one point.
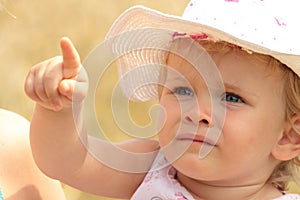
(183, 91)
(233, 98)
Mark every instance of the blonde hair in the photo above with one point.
(289, 170)
(286, 171)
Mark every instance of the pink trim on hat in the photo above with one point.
(177, 34)
(198, 36)
(194, 36)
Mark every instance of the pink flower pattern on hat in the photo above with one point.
(231, 17)
(280, 22)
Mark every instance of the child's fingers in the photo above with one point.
(71, 59)
(42, 82)
(29, 87)
(73, 90)
(39, 84)
(52, 78)
(34, 83)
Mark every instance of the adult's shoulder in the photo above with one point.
(14, 135)
(12, 122)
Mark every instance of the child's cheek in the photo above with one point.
(161, 118)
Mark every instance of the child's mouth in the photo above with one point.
(194, 138)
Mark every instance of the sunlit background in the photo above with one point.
(30, 31)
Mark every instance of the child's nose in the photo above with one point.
(198, 116)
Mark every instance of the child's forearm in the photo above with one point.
(57, 146)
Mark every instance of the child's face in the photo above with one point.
(254, 119)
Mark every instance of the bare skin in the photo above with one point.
(20, 178)
(55, 139)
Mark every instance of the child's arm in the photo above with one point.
(57, 148)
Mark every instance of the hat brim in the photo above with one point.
(139, 17)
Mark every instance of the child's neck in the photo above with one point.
(203, 191)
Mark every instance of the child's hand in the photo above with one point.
(51, 83)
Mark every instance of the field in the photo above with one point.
(30, 31)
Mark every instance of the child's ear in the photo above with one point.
(288, 146)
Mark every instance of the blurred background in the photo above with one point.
(30, 31)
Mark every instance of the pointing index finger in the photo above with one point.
(71, 59)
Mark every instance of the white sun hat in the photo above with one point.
(269, 27)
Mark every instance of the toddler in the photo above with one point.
(228, 89)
